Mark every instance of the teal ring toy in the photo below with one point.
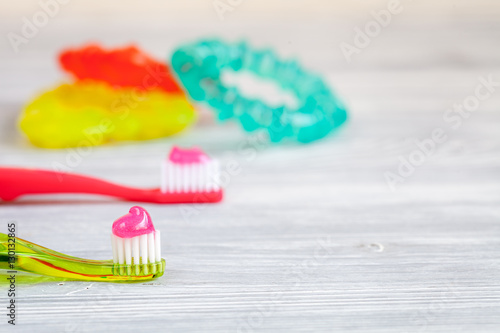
(199, 67)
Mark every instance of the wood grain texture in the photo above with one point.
(308, 238)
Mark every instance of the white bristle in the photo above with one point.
(151, 247)
(186, 172)
(115, 249)
(188, 178)
(201, 179)
(178, 178)
(171, 176)
(215, 174)
(193, 171)
(138, 250)
(120, 250)
(136, 256)
(143, 240)
(127, 246)
(208, 174)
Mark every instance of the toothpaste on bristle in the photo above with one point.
(189, 170)
(135, 240)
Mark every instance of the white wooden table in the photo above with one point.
(308, 238)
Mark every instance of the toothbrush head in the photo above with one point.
(190, 171)
(136, 244)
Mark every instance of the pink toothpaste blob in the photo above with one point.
(190, 171)
(135, 240)
(136, 223)
(187, 156)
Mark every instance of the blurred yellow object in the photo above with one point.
(90, 113)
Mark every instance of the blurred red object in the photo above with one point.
(123, 67)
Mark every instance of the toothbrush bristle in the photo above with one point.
(140, 253)
(190, 171)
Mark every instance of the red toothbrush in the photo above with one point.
(188, 176)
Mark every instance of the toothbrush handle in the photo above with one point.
(15, 182)
(22, 255)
